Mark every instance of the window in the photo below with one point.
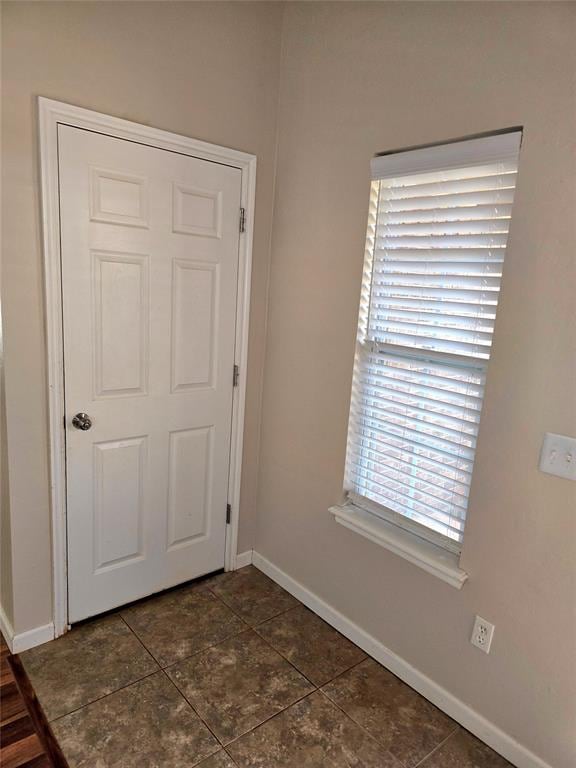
(436, 241)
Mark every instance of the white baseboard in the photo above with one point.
(244, 558)
(24, 640)
(6, 628)
(33, 637)
(485, 730)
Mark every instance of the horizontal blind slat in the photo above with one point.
(424, 420)
(458, 227)
(428, 267)
(423, 399)
(397, 450)
(436, 189)
(403, 485)
(450, 459)
(397, 501)
(431, 241)
(439, 256)
(470, 212)
(405, 469)
(425, 202)
(438, 375)
(427, 317)
(447, 282)
(454, 305)
(383, 292)
(440, 442)
(422, 342)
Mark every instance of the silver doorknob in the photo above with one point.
(82, 421)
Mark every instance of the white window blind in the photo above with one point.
(437, 232)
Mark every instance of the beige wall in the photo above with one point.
(207, 70)
(360, 78)
(6, 600)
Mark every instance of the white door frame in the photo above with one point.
(51, 114)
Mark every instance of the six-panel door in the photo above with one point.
(149, 275)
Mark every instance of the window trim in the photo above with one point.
(447, 155)
(430, 557)
(401, 521)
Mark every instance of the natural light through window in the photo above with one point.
(436, 241)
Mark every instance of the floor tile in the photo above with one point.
(236, 685)
(182, 622)
(220, 760)
(404, 722)
(147, 724)
(462, 750)
(314, 647)
(251, 594)
(85, 664)
(312, 733)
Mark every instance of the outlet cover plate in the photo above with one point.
(482, 634)
(558, 456)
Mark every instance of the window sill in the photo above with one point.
(430, 557)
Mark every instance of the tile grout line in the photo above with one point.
(163, 670)
(250, 730)
(239, 615)
(173, 684)
(267, 720)
(316, 688)
(198, 715)
(234, 763)
(362, 727)
(439, 746)
(344, 671)
(300, 604)
(184, 658)
(349, 716)
(455, 730)
(287, 660)
(148, 651)
(207, 648)
(122, 687)
(255, 628)
(248, 627)
(105, 696)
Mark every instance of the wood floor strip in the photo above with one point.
(26, 739)
(11, 702)
(21, 753)
(17, 729)
(41, 725)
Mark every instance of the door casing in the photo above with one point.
(52, 113)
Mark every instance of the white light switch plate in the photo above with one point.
(558, 456)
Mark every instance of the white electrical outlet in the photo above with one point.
(482, 634)
(558, 456)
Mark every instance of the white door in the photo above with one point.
(149, 272)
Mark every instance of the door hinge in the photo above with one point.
(235, 376)
(228, 513)
(242, 219)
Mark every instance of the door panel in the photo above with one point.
(149, 271)
(121, 323)
(194, 302)
(119, 470)
(189, 483)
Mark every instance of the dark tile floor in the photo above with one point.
(234, 672)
